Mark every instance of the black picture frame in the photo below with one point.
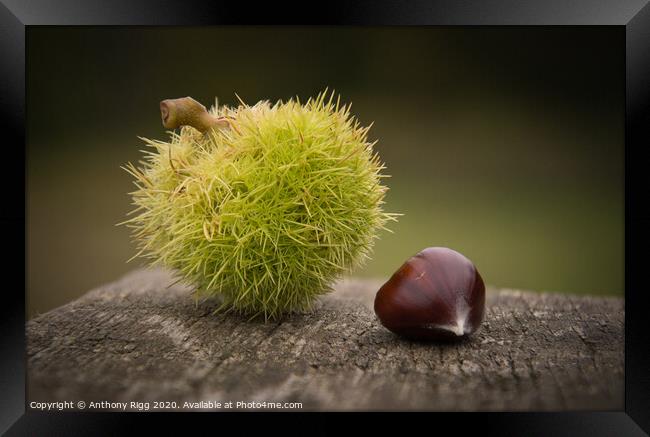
(633, 16)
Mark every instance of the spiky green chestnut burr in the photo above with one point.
(261, 205)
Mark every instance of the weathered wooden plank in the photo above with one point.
(138, 340)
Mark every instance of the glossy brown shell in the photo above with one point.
(436, 294)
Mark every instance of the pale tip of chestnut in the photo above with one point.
(437, 294)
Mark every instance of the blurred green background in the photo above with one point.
(504, 143)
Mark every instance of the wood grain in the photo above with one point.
(138, 339)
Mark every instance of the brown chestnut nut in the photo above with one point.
(436, 294)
